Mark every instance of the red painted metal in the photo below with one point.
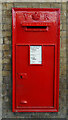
(35, 86)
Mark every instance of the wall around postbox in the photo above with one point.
(7, 63)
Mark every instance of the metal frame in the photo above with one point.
(57, 55)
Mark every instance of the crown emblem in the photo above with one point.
(36, 16)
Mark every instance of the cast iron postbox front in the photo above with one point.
(35, 51)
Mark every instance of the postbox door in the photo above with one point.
(35, 82)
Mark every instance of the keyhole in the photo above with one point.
(21, 76)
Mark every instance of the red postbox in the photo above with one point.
(35, 59)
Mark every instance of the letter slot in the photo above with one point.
(36, 28)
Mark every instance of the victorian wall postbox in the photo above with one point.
(35, 59)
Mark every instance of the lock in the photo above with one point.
(22, 75)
